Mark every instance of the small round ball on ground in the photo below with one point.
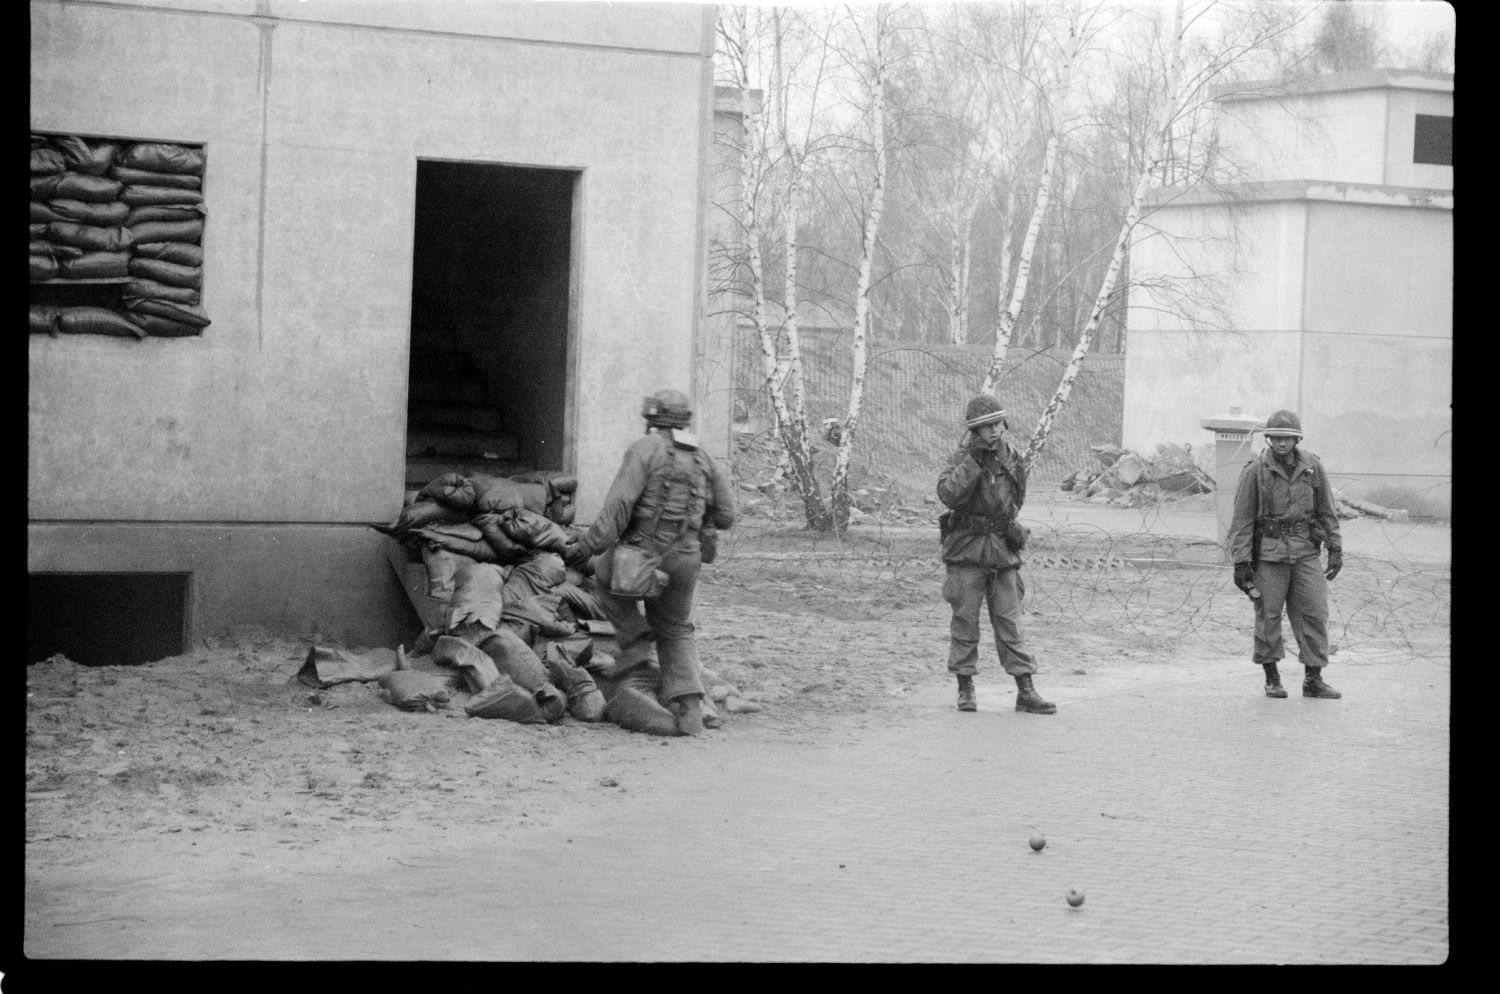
(1038, 842)
(1075, 897)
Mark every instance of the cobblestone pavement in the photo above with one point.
(1203, 822)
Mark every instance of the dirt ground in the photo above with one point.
(222, 753)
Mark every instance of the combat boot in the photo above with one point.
(1313, 685)
(1027, 699)
(966, 700)
(1273, 681)
(689, 711)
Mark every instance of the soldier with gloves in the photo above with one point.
(666, 497)
(984, 486)
(1283, 514)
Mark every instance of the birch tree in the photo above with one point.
(1167, 156)
(877, 48)
(762, 145)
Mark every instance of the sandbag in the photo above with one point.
(561, 511)
(43, 319)
(45, 187)
(143, 177)
(513, 657)
(324, 666)
(423, 512)
(503, 699)
(168, 231)
(585, 701)
(41, 213)
(43, 247)
(414, 690)
(185, 313)
(635, 712)
(182, 253)
(534, 531)
(94, 189)
(38, 230)
(175, 213)
(478, 669)
(538, 573)
(583, 603)
(89, 237)
(43, 267)
(166, 272)
(82, 157)
(157, 327)
(541, 611)
(455, 539)
(160, 157)
(110, 215)
(47, 161)
(476, 596)
(497, 496)
(441, 566)
(152, 290)
(140, 196)
(506, 550)
(96, 321)
(94, 266)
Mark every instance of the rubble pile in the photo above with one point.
(510, 630)
(1127, 478)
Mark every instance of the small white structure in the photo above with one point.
(1332, 243)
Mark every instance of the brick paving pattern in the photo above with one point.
(1205, 823)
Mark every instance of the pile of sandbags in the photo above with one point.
(127, 212)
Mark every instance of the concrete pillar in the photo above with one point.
(1233, 431)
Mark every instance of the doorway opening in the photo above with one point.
(492, 318)
(106, 619)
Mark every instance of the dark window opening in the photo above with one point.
(1434, 140)
(106, 619)
(491, 320)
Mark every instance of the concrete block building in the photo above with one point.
(465, 236)
(1333, 239)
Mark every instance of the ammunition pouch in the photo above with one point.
(1275, 528)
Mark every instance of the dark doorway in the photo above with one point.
(106, 619)
(491, 319)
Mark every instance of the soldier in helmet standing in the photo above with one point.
(665, 494)
(984, 486)
(1283, 512)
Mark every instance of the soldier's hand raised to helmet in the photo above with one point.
(1335, 563)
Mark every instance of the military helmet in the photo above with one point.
(983, 410)
(667, 409)
(1283, 424)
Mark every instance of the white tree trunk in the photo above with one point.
(1148, 178)
(1007, 322)
(839, 489)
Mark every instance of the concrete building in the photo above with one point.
(1333, 244)
(411, 208)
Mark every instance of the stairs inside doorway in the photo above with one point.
(451, 424)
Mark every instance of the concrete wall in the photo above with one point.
(1354, 127)
(291, 407)
(1342, 310)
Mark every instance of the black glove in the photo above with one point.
(1335, 563)
(1244, 576)
(575, 553)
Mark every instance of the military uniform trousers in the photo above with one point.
(1302, 590)
(968, 589)
(661, 627)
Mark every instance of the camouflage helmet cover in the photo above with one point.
(982, 410)
(1283, 424)
(667, 409)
